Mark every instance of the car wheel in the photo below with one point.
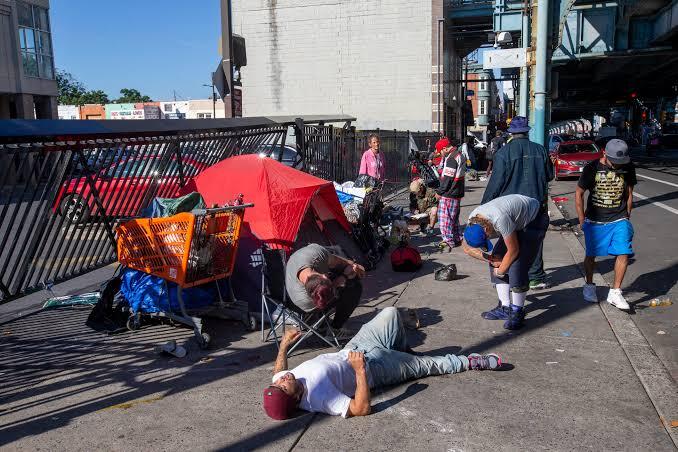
(75, 209)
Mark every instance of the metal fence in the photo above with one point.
(66, 185)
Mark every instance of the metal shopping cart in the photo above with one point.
(189, 249)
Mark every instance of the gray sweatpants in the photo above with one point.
(383, 341)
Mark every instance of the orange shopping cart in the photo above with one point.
(189, 249)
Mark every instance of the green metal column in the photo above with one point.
(524, 74)
(542, 69)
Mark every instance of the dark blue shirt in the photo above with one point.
(521, 167)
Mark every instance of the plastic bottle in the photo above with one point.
(661, 301)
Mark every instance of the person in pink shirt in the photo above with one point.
(372, 163)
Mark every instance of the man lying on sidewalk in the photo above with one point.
(339, 383)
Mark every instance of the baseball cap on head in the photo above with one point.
(475, 237)
(278, 404)
(617, 151)
(442, 143)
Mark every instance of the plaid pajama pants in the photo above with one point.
(448, 214)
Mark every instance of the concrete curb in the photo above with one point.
(653, 375)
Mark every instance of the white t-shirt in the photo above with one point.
(329, 383)
(508, 213)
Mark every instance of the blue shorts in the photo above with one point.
(608, 239)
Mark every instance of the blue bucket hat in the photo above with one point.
(475, 237)
(518, 125)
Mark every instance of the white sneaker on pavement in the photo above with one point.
(590, 293)
(616, 299)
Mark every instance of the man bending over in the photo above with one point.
(339, 383)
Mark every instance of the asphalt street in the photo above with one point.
(653, 272)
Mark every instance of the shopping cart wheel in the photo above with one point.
(251, 323)
(134, 322)
(204, 341)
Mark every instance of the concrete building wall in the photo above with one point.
(367, 58)
(92, 111)
(69, 112)
(205, 108)
(24, 95)
(174, 110)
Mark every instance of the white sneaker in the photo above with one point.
(616, 299)
(590, 293)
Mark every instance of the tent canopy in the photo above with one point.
(281, 195)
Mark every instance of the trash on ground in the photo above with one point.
(661, 332)
(85, 299)
(206, 359)
(171, 348)
(445, 273)
(660, 301)
(560, 350)
(551, 362)
(128, 405)
(566, 333)
(561, 199)
(6, 333)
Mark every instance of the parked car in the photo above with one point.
(669, 137)
(570, 157)
(122, 187)
(290, 156)
(555, 139)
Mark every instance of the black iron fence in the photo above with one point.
(66, 185)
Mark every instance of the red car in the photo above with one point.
(124, 187)
(570, 157)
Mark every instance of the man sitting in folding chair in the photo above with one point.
(339, 383)
(315, 278)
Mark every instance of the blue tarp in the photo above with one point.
(344, 197)
(148, 294)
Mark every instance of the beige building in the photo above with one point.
(28, 88)
(205, 109)
(376, 60)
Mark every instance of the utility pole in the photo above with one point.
(227, 50)
(214, 98)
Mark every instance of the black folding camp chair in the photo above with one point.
(274, 300)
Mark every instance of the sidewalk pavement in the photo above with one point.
(569, 384)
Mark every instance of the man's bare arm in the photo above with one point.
(360, 403)
(290, 337)
(629, 202)
(579, 203)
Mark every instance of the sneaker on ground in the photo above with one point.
(490, 361)
(288, 320)
(590, 293)
(616, 299)
(499, 312)
(538, 285)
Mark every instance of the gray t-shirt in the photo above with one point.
(509, 213)
(312, 256)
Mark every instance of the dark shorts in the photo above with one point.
(529, 240)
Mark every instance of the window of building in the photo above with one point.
(482, 108)
(168, 108)
(204, 115)
(483, 85)
(36, 41)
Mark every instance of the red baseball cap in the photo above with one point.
(277, 404)
(442, 143)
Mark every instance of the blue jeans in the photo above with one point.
(383, 341)
(530, 241)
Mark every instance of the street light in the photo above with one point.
(214, 100)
